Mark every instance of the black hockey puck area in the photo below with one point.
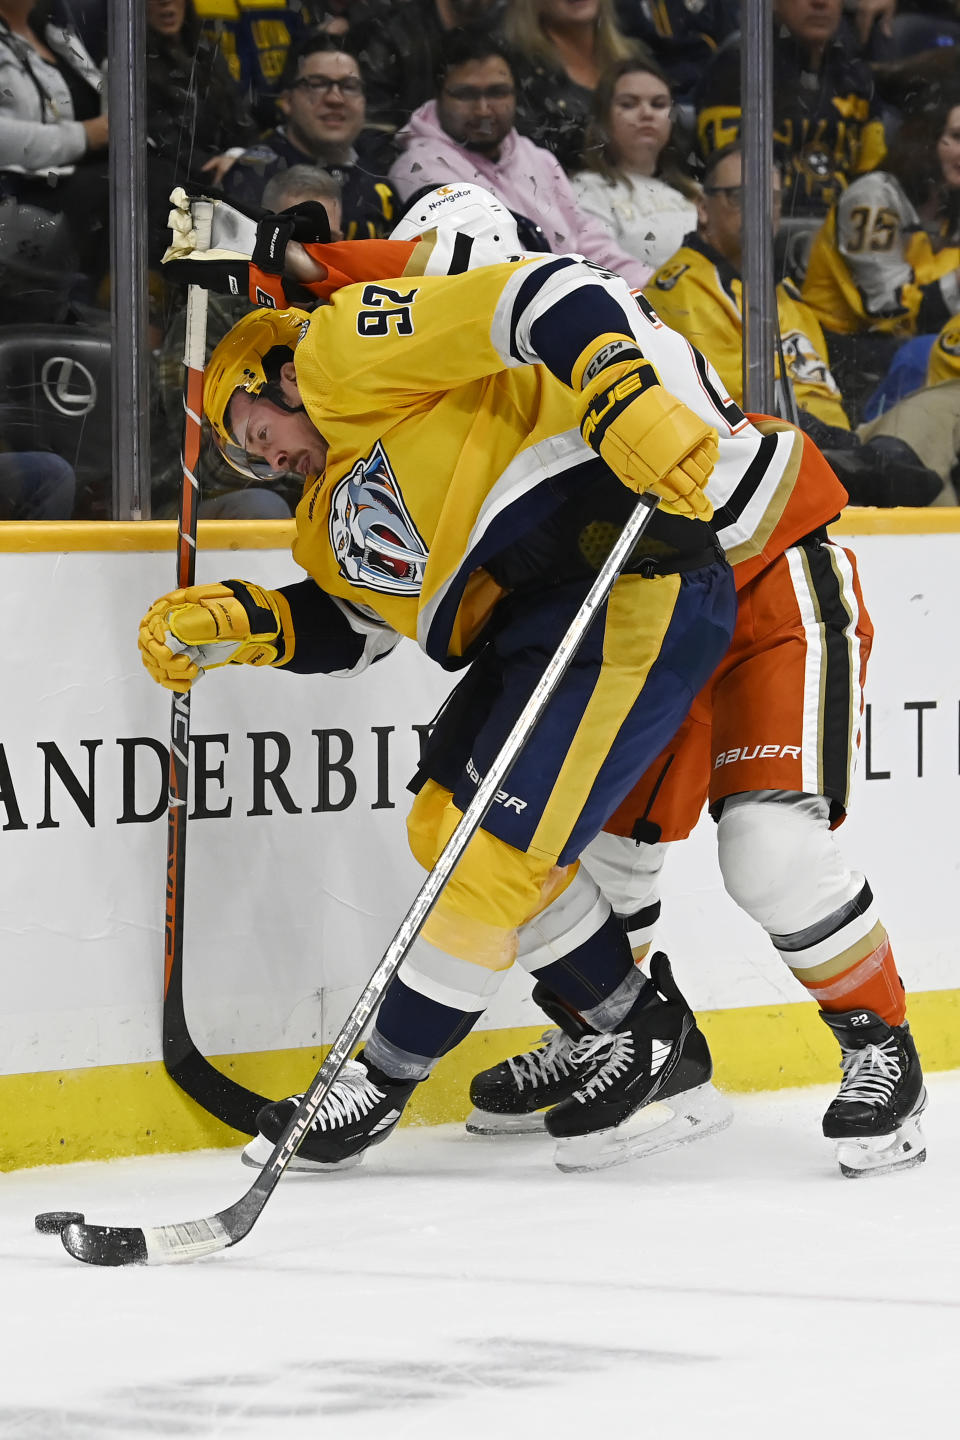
(51, 1222)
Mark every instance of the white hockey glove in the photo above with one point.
(237, 249)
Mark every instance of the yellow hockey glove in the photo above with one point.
(204, 626)
(649, 438)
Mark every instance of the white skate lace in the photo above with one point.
(619, 1058)
(551, 1061)
(870, 1074)
(352, 1096)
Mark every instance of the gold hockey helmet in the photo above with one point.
(250, 357)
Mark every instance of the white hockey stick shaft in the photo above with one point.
(464, 832)
(189, 1240)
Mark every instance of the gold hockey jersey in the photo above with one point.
(450, 435)
(698, 293)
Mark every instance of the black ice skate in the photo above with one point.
(875, 1118)
(651, 1089)
(510, 1098)
(362, 1109)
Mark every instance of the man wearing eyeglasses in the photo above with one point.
(322, 100)
(468, 134)
(699, 292)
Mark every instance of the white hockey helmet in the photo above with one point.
(467, 208)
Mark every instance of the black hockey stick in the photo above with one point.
(166, 1244)
(217, 1093)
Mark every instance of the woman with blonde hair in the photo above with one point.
(634, 181)
(560, 49)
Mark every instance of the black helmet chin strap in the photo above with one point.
(273, 362)
(272, 391)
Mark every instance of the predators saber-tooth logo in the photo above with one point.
(373, 535)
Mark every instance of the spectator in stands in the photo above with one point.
(195, 109)
(254, 37)
(561, 48)
(883, 268)
(634, 182)
(874, 267)
(36, 485)
(682, 38)
(399, 49)
(925, 158)
(468, 134)
(827, 128)
(53, 132)
(322, 99)
(699, 293)
(300, 183)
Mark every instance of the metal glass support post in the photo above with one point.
(126, 97)
(759, 290)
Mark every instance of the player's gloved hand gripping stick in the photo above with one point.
(237, 249)
(165, 1244)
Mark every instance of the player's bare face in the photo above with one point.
(948, 149)
(276, 441)
(639, 121)
(325, 106)
(477, 104)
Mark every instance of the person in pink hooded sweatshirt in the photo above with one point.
(467, 134)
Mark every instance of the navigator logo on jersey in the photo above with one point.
(376, 543)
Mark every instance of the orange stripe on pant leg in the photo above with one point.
(872, 983)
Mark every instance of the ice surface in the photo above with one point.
(460, 1287)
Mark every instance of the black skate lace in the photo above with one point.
(620, 1056)
(549, 1061)
(352, 1096)
(870, 1074)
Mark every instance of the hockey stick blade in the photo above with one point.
(192, 1239)
(222, 1097)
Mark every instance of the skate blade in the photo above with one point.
(258, 1152)
(485, 1122)
(879, 1154)
(662, 1125)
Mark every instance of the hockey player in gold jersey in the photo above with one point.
(469, 444)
